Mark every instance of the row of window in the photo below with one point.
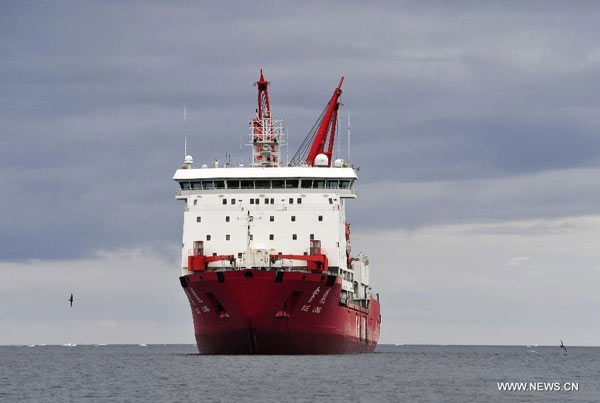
(268, 184)
(267, 201)
(271, 237)
(239, 255)
(271, 218)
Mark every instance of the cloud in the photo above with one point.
(431, 98)
(128, 296)
(549, 194)
(479, 117)
(444, 284)
(518, 261)
(109, 324)
(449, 284)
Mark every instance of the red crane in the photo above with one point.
(322, 133)
(198, 262)
(315, 260)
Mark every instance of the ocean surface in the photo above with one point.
(176, 373)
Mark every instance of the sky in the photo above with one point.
(475, 125)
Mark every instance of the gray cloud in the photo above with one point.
(475, 126)
(455, 283)
(91, 103)
(409, 205)
(120, 297)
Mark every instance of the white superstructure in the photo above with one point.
(243, 216)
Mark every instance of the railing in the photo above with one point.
(341, 192)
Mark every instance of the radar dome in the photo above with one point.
(321, 160)
(338, 163)
(188, 160)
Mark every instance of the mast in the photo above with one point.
(266, 133)
(349, 136)
(263, 115)
(185, 154)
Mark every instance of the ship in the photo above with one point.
(267, 264)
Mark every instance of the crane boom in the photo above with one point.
(327, 129)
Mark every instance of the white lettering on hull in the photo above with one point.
(314, 294)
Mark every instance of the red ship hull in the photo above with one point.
(268, 312)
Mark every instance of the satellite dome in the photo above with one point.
(321, 160)
(188, 160)
(338, 163)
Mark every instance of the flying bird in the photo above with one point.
(71, 300)
(562, 345)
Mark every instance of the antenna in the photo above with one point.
(338, 152)
(348, 135)
(185, 130)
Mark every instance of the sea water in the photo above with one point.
(176, 373)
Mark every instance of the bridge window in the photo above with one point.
(208, 185)
(291, 183)
(278, 183)
(262, 184)
(294, 236)
(196, 185)
(219, 184)
(233, 184)
(271, 237)
(184, 185)
(208, 237)
(227, 237)
(319, 184)
(344, 184)
(247, 184)
(332, 184)
(198, 219)
(306, 183)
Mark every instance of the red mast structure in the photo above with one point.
(263, 113)
(266, 133)
(320, 139)
(326, 129)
